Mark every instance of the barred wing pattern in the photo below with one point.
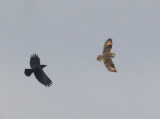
(109, 64)
(107, 55)
(107, 46)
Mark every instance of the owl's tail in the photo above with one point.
(100, 58)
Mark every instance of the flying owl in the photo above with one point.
(107, 56)
(37, 69)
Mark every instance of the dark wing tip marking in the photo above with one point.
(112, 68)
(109, 39)
(107, 46)
(109, 65)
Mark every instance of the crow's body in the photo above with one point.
(37, 69)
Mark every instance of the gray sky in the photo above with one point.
(68, 36)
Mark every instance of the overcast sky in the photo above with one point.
(68, 36)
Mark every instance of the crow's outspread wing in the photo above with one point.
(42, 77)
(107, 46)
(34, 61)
(109, 64)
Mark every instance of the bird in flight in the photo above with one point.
(107, 56)
(37, 69)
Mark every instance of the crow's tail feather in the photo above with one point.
(28, 72)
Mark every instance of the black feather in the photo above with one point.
(38, 71)
(28, 72)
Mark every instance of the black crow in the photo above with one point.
(37, 69)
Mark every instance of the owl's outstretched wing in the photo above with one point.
(107, 46)
(42, 77)
(109, 64)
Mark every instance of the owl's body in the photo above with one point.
(107, 55)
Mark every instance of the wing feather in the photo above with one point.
(109, 64)
(107, 46)
(34, 61)
(42, 77)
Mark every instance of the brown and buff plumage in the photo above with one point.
(107, 56)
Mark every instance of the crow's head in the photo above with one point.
(42, 66)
